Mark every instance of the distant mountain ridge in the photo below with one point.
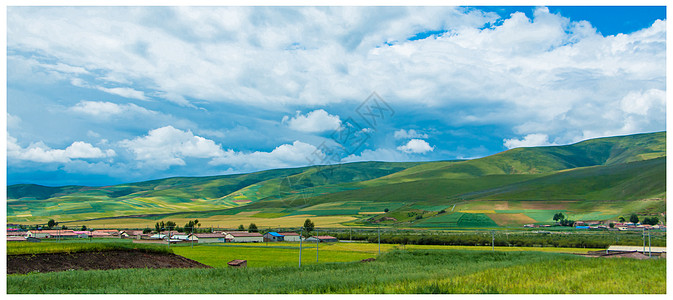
(624, 168)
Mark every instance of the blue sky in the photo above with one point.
(99, 96)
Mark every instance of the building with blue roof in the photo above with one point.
(273, 236)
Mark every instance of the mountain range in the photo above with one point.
(597, 179)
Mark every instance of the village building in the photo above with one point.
(158, 236)
(132, 234)
(16, 238)
(245, 237)
(184, 237)
(211, 238)
(290, 236)
(110, 232)
(16, 233)
(322, 239)
(82, 234)
(51, 234)
(273, 237)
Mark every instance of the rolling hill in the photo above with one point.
(594, 179)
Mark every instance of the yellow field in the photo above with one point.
(223, 221)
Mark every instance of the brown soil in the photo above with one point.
(106, 260)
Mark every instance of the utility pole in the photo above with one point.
(643, 240)
(301, 231)
(317, 240)
(649, 242)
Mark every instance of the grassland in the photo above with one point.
(598, 179)
(397, 271)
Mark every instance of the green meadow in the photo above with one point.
(414, 271)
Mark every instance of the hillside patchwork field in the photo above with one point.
(599, 179)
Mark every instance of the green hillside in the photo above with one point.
(594, 179)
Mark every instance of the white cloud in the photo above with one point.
(39, 152)
(124, 92)
(63, 68)
(531, 140)
(316, 121)
(416, 146)
(546, 75)
(286, 155)
(102, 108)
(167, 146)
(644, 103)
(535, 75)
(404, 134)
(13, 121)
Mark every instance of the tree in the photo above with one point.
(612, 225)
(252, 228)
(309, 225)
(241, 227)
(170, 225)
(189, 227)
(386, 210)
(559, 217)
(159, 226)
(621, 219)
(83, 228)
(634, 218)
(51, 223)
(147, 230)
(651, 221)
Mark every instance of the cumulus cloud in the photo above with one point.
(286, 155)
(530, 140)
(410, 134)
(39, 152)
(167, 146)
(102, 108)
(514, 71)
(416, 146)
(316, 121)
(644, 103)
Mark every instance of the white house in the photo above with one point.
(290, 236)
(211, 238)
(184, 237)
(245, 237)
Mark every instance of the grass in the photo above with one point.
(417, 271)
(283, 254)
(16, 248)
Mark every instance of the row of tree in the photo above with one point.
(563, 221)
(647, 220)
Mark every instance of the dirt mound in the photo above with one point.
(105, 260)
